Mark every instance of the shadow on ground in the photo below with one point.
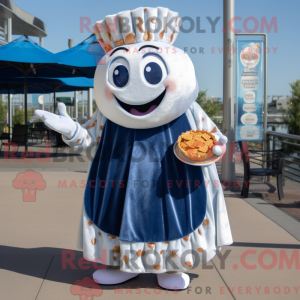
(65, 267)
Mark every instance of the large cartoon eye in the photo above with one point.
(120, 76)
(154, 69)
(119, 73)
(153, 73)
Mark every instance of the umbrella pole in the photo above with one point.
(9, 112)
(25, 104)
(54, 97)
(25, 94)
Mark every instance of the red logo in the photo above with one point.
(86, 288)
(29, 182)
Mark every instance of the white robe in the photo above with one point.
(186, 253)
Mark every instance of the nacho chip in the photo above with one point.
(206, 136)
(203, 148)
(199, 138)
(187, 136)
(197, 145)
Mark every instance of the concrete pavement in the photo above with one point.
(35, 234)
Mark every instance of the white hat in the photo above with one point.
(142, 24)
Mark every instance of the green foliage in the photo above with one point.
(212, 109)
(201, 97)
(30, 113)
(19, 117)
(95, 107)
(292, 115)
(3, 112)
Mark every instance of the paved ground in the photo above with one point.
(42, 158)
(35, 234)
(290, 203)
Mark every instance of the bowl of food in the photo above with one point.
(195, 147)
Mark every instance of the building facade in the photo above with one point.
(15, 21)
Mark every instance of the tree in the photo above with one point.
(212, 109)
(292, 114)
(19, 117)
(95, 107)
(201, 97)
(3, 112)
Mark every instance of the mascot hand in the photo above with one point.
(61, 123)
(220, 148)
(223, 139)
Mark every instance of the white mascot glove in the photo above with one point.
(61, 123)
(220, 148)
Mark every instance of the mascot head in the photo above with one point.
(143, 81)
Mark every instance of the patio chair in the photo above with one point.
(4, 136)
(40, 130)
(30, 131)
(273, 158)
(19, 136)
(59, 143)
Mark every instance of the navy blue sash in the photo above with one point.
(138, 190)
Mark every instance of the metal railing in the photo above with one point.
(277, 140)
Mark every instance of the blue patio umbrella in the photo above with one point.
(23, 57)
(45, 85)
(86, 54)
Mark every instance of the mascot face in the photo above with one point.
(145, 85)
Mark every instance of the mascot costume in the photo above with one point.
(144, 209)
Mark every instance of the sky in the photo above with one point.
(63, 22)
